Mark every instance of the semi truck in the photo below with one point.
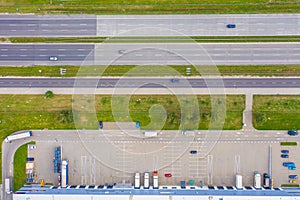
(146, 180)
(11, 138)
(7, 186)
(150, 134)
(257, 180)
(239, 182)
(155, 180)
(64, 174)
(137, 181)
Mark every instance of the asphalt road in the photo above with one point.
(151, 54)
(149, 83)
(47, 26)
(145, 25)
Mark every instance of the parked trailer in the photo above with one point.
(155, 180)
(64, 174)
(146, 180)
(257, 180)
(137, 181)
(239, 182)
(11, 138)
(7, 186)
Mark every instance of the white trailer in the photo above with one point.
(64, 174)
(239, 182)
(146, 180)
(7, 186)
(155, 180)
(11, 138)
(150, 134)
(257, 180)
(137, 181)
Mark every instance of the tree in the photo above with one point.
(49, 94)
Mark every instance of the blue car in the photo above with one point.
(293, 132)
(284, 156)
(292, 168)
(230, 26)
(193, 152)
(174, 80)
(293, 176)
(285, 151)
(137, 124)
(101, 125)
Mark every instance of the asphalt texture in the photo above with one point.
(47, 26)
(149, 83)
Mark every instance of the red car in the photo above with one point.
(168, 175)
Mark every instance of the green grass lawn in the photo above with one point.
(278, 112)
(19, 167)
(53, 71)
(150, 6)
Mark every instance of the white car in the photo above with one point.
(53, 58)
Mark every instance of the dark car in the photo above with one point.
(285, 151)
(284, 156)
(193, 152)
(174, 80)
(101, 124)
(230, 25)
(292, 132)
(293, 176)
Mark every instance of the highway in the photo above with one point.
(47, 25)
(149, 83)
(151, 54)
(148, 25)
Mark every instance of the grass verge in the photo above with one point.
(121, 70)
(172, 39)
(149, 6)
(276, 112)
(290, 185)
(288, 143)
(19, 167)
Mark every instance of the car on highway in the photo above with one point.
(285, 151)
(174, 80)
(168, 175)
(284, 156)
(230, 25)
(101, 124)
(293, 132)
(193, 152)
(121, 51)
(293, 176)
(53, 58)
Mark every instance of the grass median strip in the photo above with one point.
(276, 112)
(288, 143)
(125, 70)
(149, 39)
(149, 6)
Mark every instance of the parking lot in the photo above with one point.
(98, 157)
